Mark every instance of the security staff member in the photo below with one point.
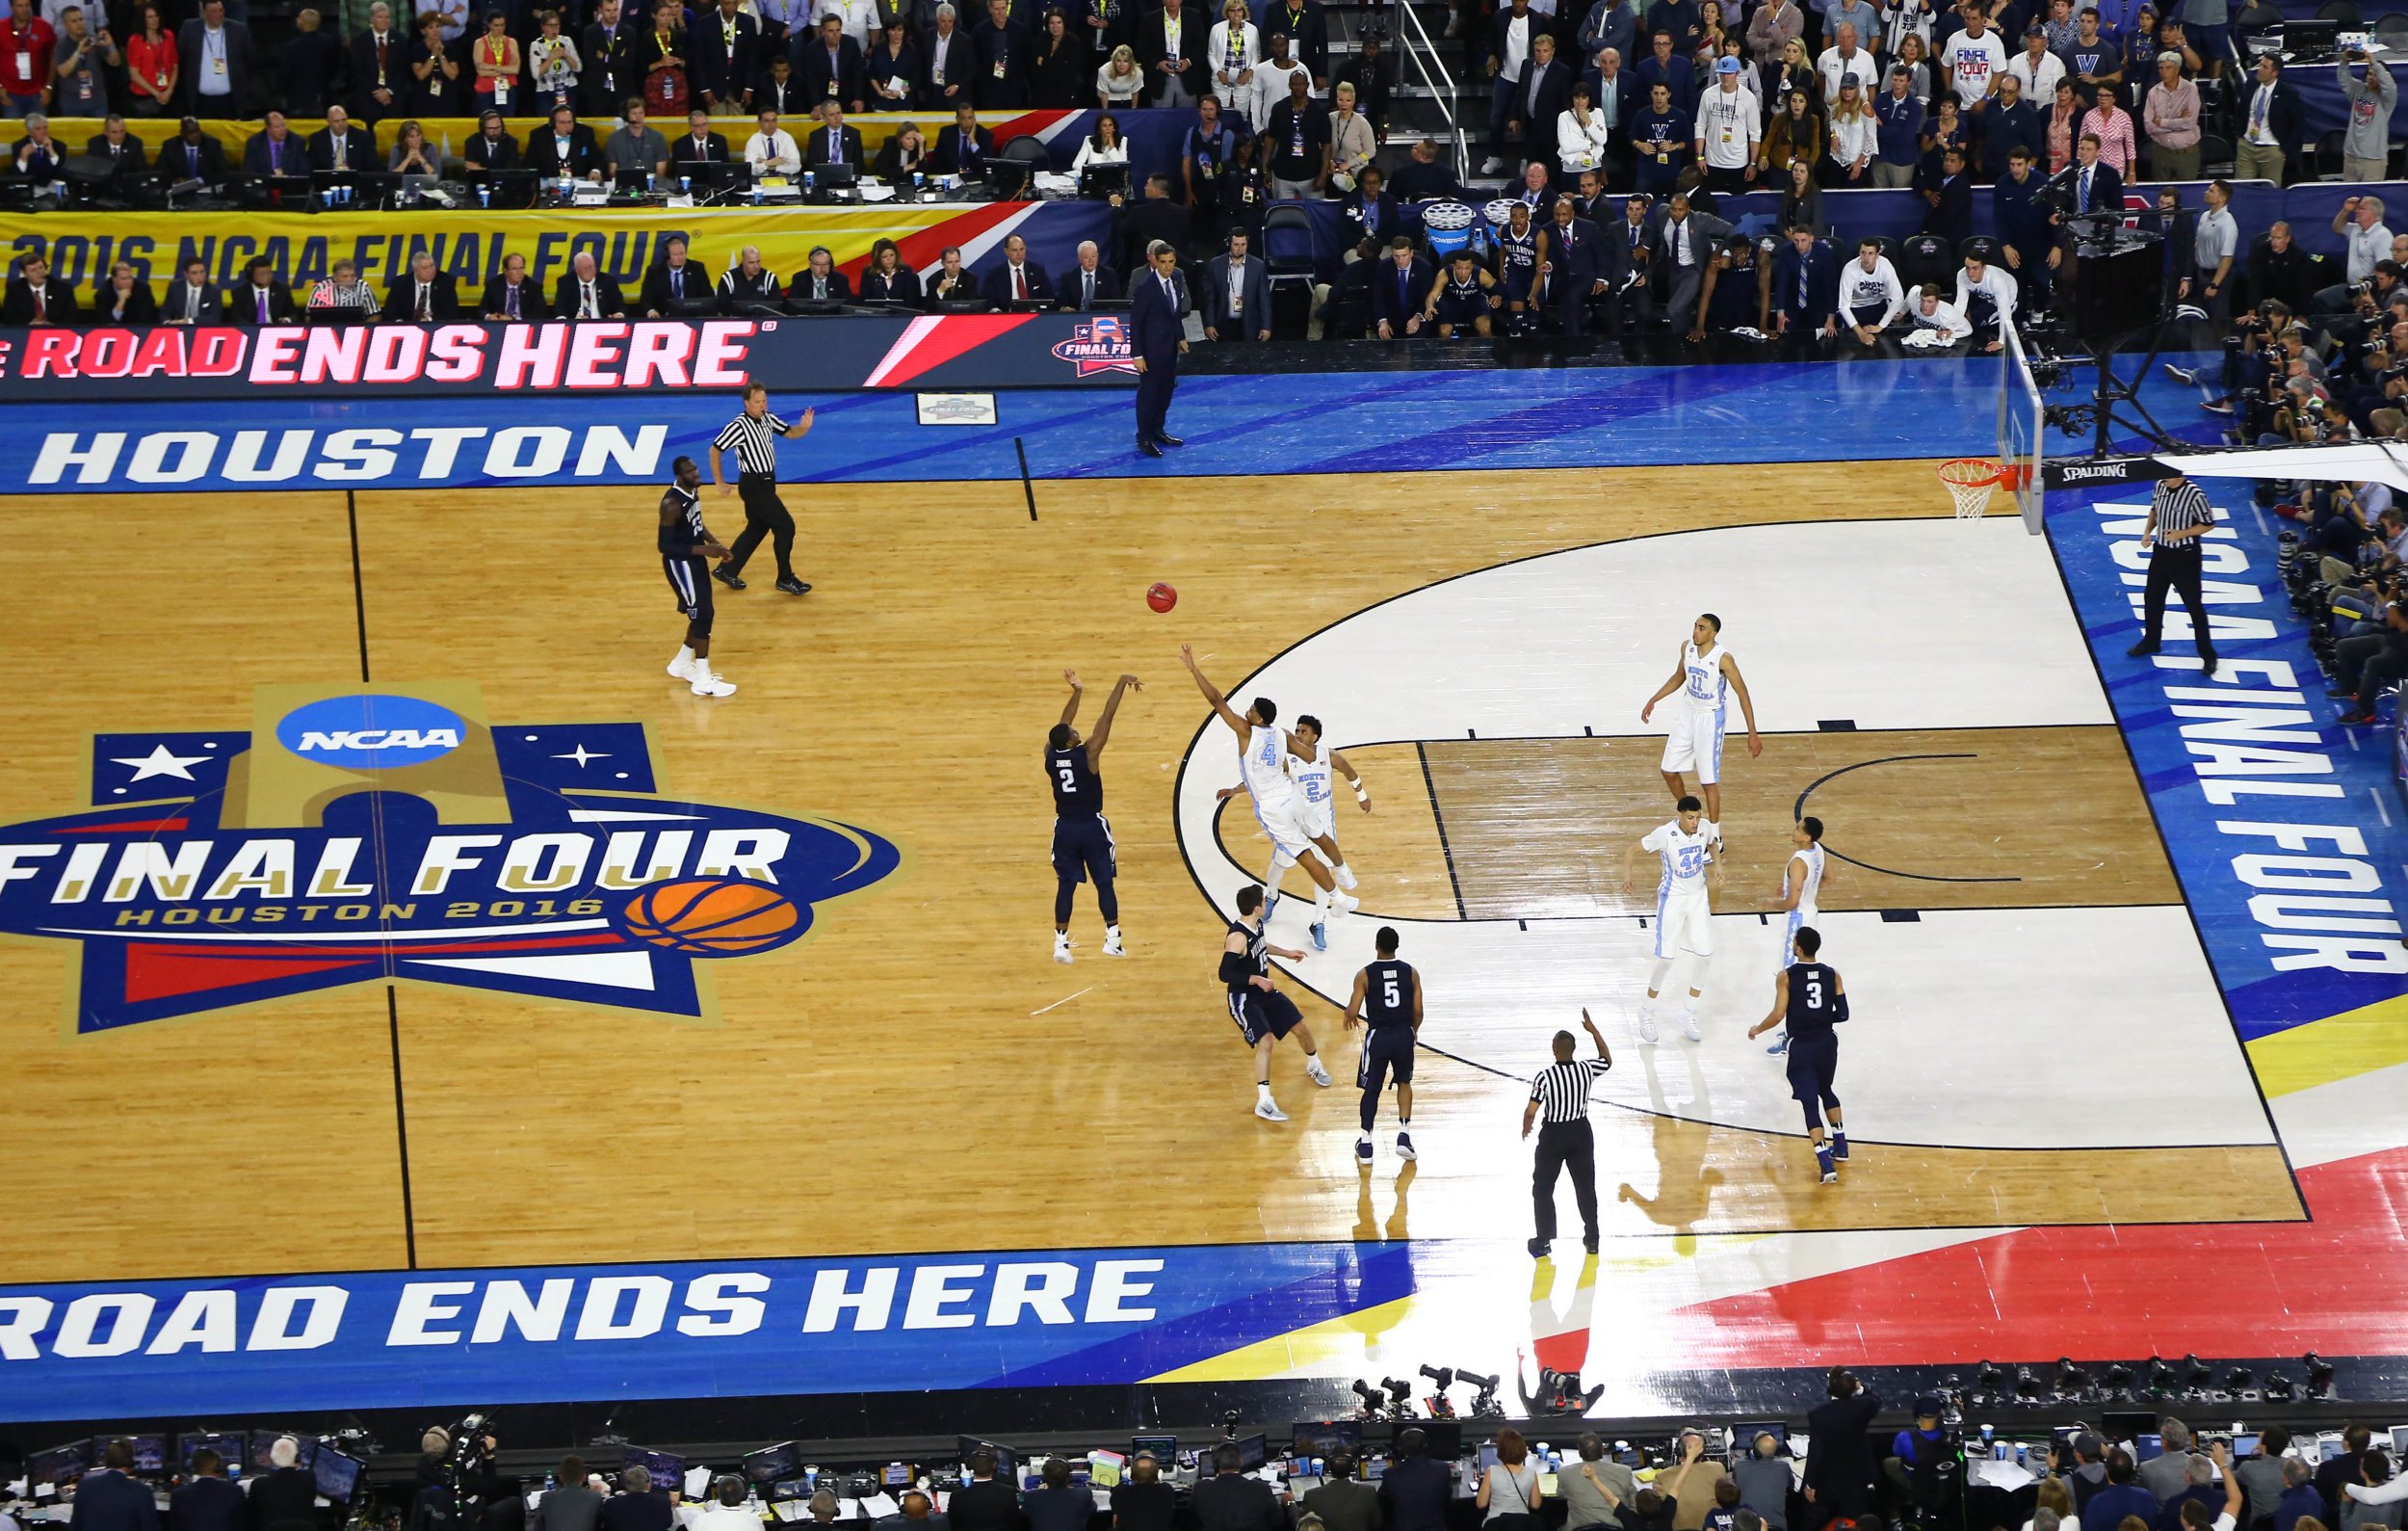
(2178, 517)
(752, 436)
(1561, 1092)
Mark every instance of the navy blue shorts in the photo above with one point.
(1260, 1014)
(1812, 1060)
(1083, 848)
(1387, 1050)
(1461, 313)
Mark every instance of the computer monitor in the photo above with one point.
(838, 174)
(786, 1489)
(668, 1472)
(150, 1453)
(2328, 1447)
(1487, 1455)
(1326, 1437)
(1006, 1459)
(263, 1442)
(770, 1464)
(1442, 1438)
(2148, 1446)
(2244, 1445)
(231, 1448)
(337, 1475)
(2400, 1441)
(2310, 36)
(57, 1466)
(1102, 180)
(1252, 1451)
(1743, 1437)
(1165, 1449)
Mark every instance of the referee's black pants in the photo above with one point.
(2176, 567)
(765, 516)
(1561, 1144)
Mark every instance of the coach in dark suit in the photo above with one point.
(1805, 293)
(1088, 282)
(110, 1499)
(1158, 307)
(1250, 279)
(847, 150)
(1572, 263)
(425, 295)
(1400, 287)
(586, 288)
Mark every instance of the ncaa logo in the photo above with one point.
(372, 733)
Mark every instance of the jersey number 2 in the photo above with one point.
(1069, 777)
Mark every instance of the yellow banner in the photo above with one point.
(470, 243)
(75, 132)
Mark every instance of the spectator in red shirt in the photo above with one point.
(28, 52)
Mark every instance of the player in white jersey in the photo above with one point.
(1311, 768)
(1706, 676)
(1683, 908)
(1278, 806)
(1801, 889)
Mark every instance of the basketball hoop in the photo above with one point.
(1970, 482)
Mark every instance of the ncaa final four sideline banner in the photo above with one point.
(470, 243)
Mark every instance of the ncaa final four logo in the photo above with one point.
(360, 838)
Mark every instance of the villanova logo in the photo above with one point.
(1101, 344)
(361, 838)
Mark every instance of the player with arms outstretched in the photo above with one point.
(1388, 998)
(1801, 886)
(1310, 767)
(1704, 674)
(1683, 908)
(1262, 1013)
(685, 545)
(1261, 754)
(1809, 998)
(1083, 837)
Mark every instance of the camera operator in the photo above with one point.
(635, 1507)
(2381, 657)
(464, 1491)
(1922, 1459)
(286, 1500)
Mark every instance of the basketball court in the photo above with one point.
(2041, 1050)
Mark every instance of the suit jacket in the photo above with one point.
(903, 288)
(363, 104)
(961, 65)
(238, 63)
(140, 308)
(1379, 220)
(207, 1504)
(1253, 315)
(988, 1504)
(725, 72)
(1706, 231)
(786, 100)
(1624, 247)
(1145, 220)
(656, 288)
(210, 310)
(174, 162)
(682, 150)
(1577, 260)
(847, 73)
(308, 69)
(283, 1497)
(604, 81)
(1839, 1458)
(530, 303)
(607, 301)
(948, 158)
(1821, 264)
(359, 149)
(2107, 196)
(1011, 48)
(805, 287)
(996, 288)
(1152, 49)
(2282, 113)
(1395, 306)
(1073, 287)
(1231, 1501)
(129, 157)
(815, 152)
(400, 300)
(1157, 326)
(1555, 97)
(292, 160)
(483, 153)
(543, 153)
(111, 1501)
(1951, 217)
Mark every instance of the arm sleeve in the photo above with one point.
(1234, 968)
(1839, 1005)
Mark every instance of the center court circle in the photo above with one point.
(370, 731)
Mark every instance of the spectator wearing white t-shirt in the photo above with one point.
(1871, 299)
(1975, 58)
(1936, 324)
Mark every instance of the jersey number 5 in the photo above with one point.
(1388, 986)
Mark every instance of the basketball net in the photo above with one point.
(1971, 480)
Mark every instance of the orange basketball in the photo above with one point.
(712, 916)
(1162, 597)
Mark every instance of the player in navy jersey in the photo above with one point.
(1262, 1013)
(685, 544)
(1388, 999)
(1811, 999)
(1083, 837)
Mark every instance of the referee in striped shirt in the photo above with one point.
(2179, 517)
(752, 436)
(1560, 1092)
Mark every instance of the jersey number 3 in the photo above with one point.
(1813, 993)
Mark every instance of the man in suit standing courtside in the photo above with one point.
(1158, 306)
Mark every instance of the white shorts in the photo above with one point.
(1683, 922)
(1284, 821)
(1319, 823)
(1696, 744)
(1800, 916)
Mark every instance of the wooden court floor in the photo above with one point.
(917, 1074)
